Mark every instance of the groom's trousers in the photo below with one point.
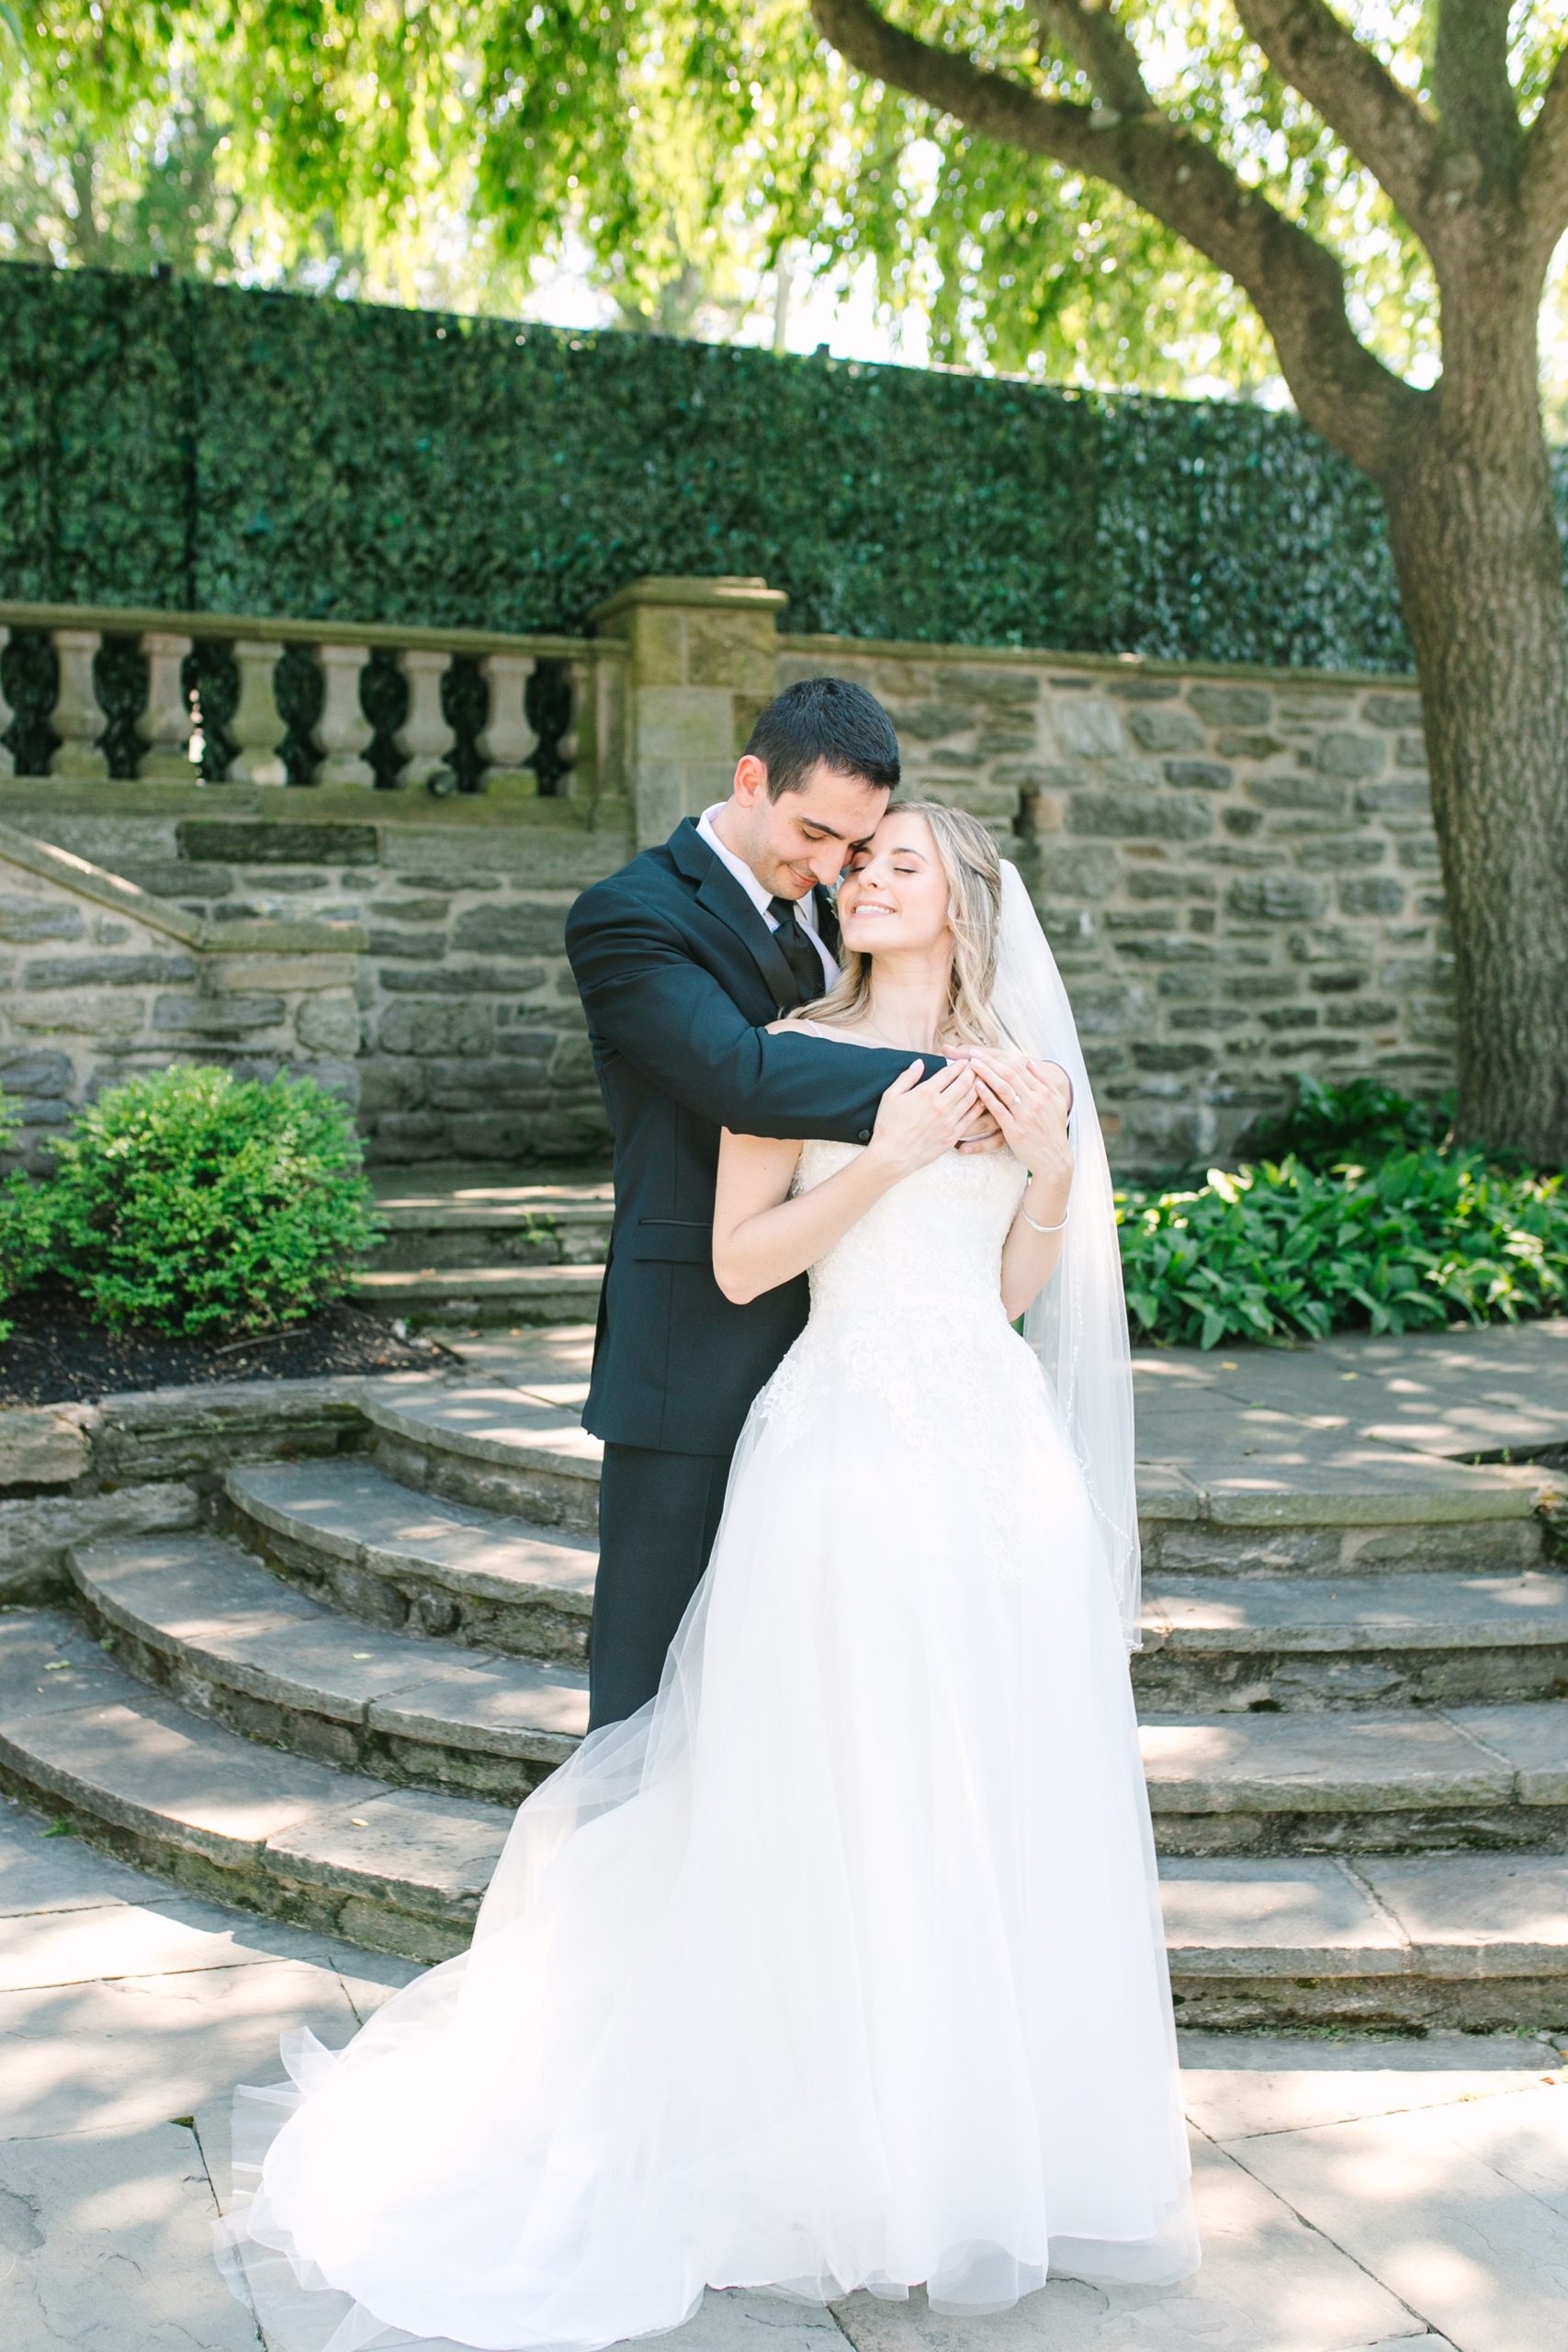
(657, 1516)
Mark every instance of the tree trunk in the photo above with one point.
(1479, 566)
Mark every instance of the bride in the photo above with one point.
(839, 1964)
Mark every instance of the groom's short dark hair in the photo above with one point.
(828, 719)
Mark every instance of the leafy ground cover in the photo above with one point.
(1367, 1218)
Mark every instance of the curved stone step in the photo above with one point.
(351, 1535)
(1400, 1779)
(200, 1617)
(1438, 1939)
(1383, 1942)
(1234, 1642)
(490, 1446)
(1338, 1507)
(393, 1869)
(547, 1294)
(347, 1532)
(1375, 1512)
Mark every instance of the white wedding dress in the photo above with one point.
(840, 1964)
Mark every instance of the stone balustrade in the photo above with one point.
(93, 694)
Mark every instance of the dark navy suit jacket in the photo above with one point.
(679, 975)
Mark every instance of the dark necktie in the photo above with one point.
(798, 953)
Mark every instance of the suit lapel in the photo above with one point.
(721, 895)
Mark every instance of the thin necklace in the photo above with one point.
(897, 1043)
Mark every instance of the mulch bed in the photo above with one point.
(57, 1355)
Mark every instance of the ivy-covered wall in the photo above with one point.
(176, 443)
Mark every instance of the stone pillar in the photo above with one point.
(602, 731)
(77, 719)
(704, 660)
(166, 722)
(343, 731)
(256, 728)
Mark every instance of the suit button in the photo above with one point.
(864, 1136)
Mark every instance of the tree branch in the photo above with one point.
(1544, 175)
(1470, 79)
(1340, 79)
(1094, 40)
(1341, 389)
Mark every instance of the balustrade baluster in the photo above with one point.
(77, 719)
(257, 726)
(508, 738)
(344, 732)
(166, 723)
(425, 738)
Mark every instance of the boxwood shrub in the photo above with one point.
(190, 1201)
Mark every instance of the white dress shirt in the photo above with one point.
(805, 908)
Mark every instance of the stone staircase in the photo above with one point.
(469, 1246)
(1354, 1689)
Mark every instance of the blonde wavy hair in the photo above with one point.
(973, 865)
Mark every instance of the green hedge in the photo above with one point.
(182, 444)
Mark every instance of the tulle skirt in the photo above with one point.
(840, 1964)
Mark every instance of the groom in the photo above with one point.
(682, 959)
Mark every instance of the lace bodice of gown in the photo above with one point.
(930, 1249)
(907, 1309)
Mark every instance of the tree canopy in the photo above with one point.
(678, 150)
(1109, 190)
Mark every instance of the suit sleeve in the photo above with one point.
(646, 998)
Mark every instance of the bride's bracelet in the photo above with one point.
(1034, 1225)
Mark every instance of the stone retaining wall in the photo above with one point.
(1239, 872)
(1238, 869)
(469, 1039)
(99, 979)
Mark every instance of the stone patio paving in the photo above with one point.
(1353, 2193)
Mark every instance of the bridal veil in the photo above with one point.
(1078, 1324)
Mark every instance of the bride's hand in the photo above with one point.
(919, 1118)
(997, 1061)
(1029, 1102)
